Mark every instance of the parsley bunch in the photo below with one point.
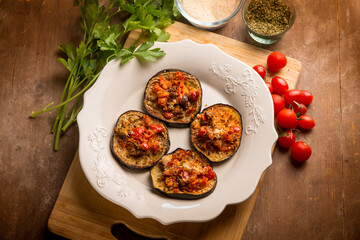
(102, 42)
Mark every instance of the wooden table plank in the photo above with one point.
(319, 200)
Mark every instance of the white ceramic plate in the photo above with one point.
(224, 79)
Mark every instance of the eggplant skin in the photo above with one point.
(154, 109)
(124, 124)
(158, 177)
(215, 154)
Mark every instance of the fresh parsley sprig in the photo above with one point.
(101, 43)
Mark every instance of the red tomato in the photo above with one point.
(306, 122)
(287, 139)
(194, 95)
(286, 118)
(278, 102)
(300, 109)
(308, 97)
(144, 146)
(261, 70)
(270, 87)
(157, 127)
(276, 61)
(137, 132)
(292, 96)
(300, 151)
(235, 129)
(168, 114)
(209, 173)
(280, 85)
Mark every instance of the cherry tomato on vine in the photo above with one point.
(276, 61)
(286, 118)
(278, 102)
(306, 122)
(300, 109)
(308, 97)
(261, 70)
(280, 85)
(300, 151)
(293, 95)
(287, 139)
(270, 87)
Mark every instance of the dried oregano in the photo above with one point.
(268, 17)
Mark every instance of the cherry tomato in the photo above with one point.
(276, 61)
(308, 97)
(300, 151)
(300, 109)
(261, 70)
(306, 122)
(270, 87)
(293, 95)
(287, 139)
(279, 103)
(286, 118)
(280, 85)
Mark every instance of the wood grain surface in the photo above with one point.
(316, 200)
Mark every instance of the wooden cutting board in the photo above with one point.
(81, 213)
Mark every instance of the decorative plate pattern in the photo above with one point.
(225, 80)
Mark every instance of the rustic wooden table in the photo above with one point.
(316, 200)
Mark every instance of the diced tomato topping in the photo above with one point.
(157, 128)
(190, 110)
(155, 147)
(236, 129)
(157, 88)
(137, 132)
(202, 131)
(168, 114)
(144, 146)
(209, 173)
(165, 84)
(147, 120)
(162, 101)
(179, 76)
(194, 95)
(203, 117)
(227, 137)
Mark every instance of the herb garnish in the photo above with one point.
(268, 17)
(102, 43)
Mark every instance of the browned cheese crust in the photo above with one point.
(173, 96)
(139, 141)
(216, 132)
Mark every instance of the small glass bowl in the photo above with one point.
(268, 39)
(207, 25)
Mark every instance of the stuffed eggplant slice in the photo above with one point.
(139, 141)
(216, 132)
(173, 96)
(184, 174)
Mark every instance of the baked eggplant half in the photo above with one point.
(216, 132)
(139, 140)
(184, 174)
(173, 96)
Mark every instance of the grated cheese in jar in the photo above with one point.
(210, 10)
